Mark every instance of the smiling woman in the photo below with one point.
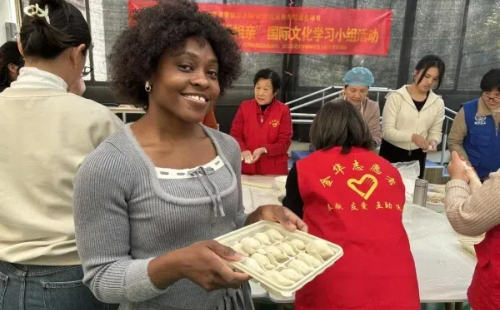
(149, 199)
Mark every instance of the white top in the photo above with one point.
(401, 119)
(168, 173)
(46, 135)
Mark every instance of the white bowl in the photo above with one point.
(281, 183)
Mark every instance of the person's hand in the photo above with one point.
(420, 141)
(257, 153)
(78, 88)
(247, 157)
(431, 146)
(279, 214)
(456, 168)
(203, 264)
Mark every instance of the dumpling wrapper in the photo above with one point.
(263, 238)
(252, 264)
(300, 267)
(278, 278)
(285, 247)
(274, 234)
(299, 244)
(263, 261)
(291, 274)
(310, 260)
(321, 248)
(250, 245)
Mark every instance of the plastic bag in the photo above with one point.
(409, 173)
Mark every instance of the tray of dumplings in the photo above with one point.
(282, 261)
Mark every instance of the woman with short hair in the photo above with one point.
(263, 128)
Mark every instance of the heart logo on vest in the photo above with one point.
(359, 185)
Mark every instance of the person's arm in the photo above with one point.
(102, 187)
(436, 130)
(472, 215)
(210, 120)
(238, 130)
(285, 133)
(457, 135)
(389, 118)
(374, 125)
(293, 200)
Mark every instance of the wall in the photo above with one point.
(7, 14)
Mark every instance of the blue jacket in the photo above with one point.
(482, 143)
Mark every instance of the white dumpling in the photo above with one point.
(278, 278)
(263, 238)
(300, 267)
(299, 244)
(263, 260)
(250, 245)
(252, 264)
(291, 274)
(319, 247)
(285, 247)
(238, 247)
(274, 234)
(275, 252)
(310, 260)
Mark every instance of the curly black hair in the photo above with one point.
(165, 28)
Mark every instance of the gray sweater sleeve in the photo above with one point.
(102, 229)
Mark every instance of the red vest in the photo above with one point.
(262, 129)
(355, 200)
(484, 291)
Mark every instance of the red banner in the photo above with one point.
(302, 30)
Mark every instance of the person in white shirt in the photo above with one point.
(47, 133)
(413, 115)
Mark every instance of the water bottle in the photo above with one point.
(420, 192)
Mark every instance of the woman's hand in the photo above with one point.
(257, 153)
(247, 157)
(202, 263)
(420, 141)
(456, 168)
(431, 146)
(280, 214)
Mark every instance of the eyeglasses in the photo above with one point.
(86, 71)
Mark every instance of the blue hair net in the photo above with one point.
(359, 76)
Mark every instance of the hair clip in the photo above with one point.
(35, 10)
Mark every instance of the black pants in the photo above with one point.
(395, 154)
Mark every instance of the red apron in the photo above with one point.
(484, 291)
(355, 200)
(271, 129)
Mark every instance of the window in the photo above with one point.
(438, 28)
(253, 62)
(481, 46)
(323, 70)
(385, 68)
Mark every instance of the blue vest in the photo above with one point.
(482, 143)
